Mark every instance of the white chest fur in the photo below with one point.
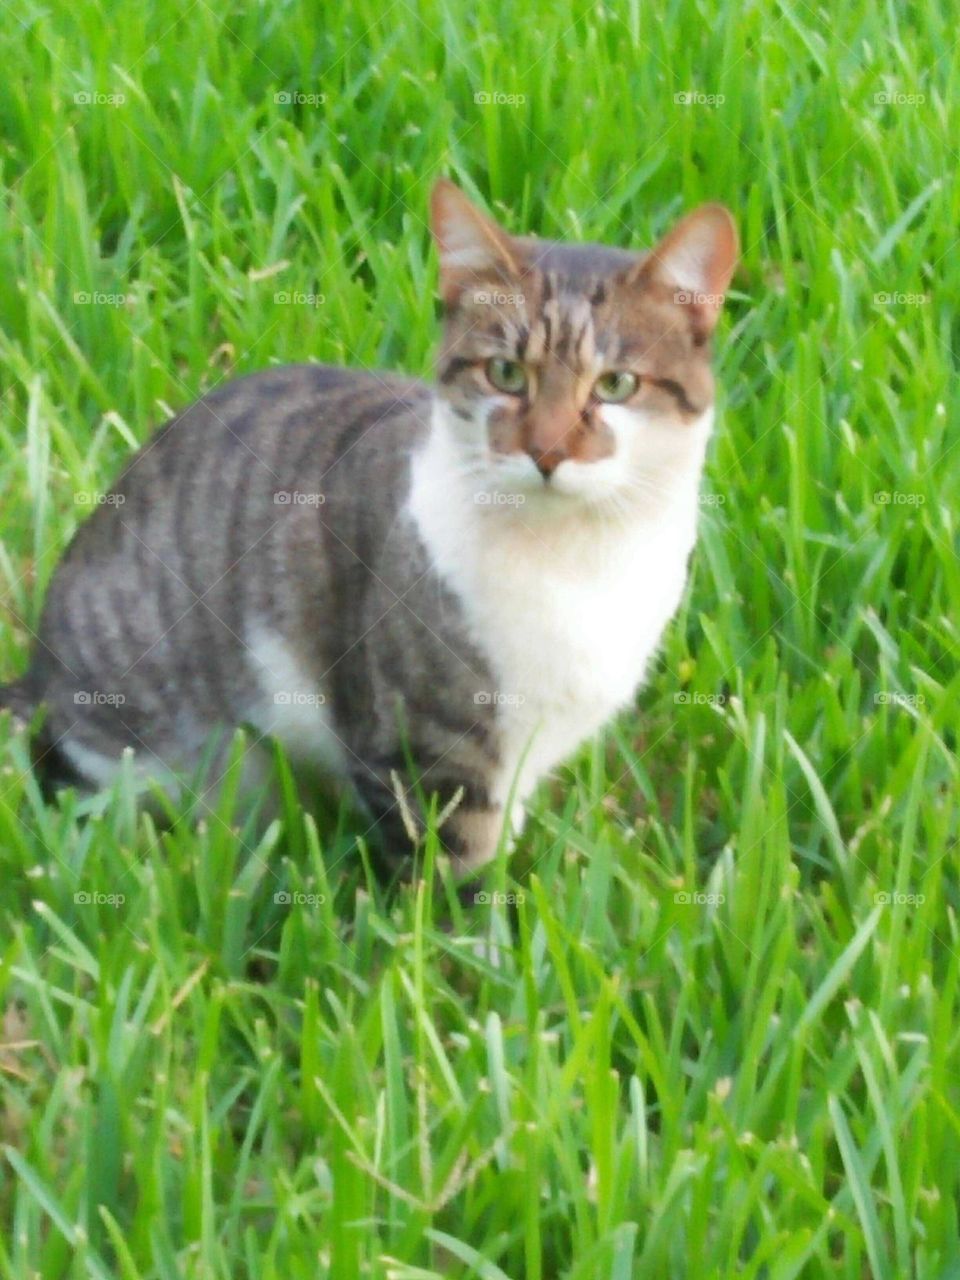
(568, 610)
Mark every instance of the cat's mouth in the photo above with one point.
(514, 481)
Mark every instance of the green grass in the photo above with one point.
(718, 1032)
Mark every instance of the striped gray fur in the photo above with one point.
(154, 597)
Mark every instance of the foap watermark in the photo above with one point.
(297, 498)
(898, 498)
(98, 698)
(91, 98)
(297, 298)
(896, 698)
(498, 899)
(298, 698)
(695, 298)
(93, 498)
(296, 98)
(693, 699)
(711, 499)
(496, 298)
(498, 99)
(694, 98)
(297, 899)
(94, 898)
(894, 98)
(694, 898)
(498, 698)
(897, 899)
(82, 298)
(897, 298)
(485, 498)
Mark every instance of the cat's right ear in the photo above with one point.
(471, 245)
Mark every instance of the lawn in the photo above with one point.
(706, 1022)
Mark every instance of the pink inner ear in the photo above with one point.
(700, 253)
(469, 242)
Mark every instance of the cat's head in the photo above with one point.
(577, 371)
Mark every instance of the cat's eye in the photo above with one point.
(508, 376)
(615, 386)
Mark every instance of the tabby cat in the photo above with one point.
(418, 590)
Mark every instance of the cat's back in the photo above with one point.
(202, 528)
(249, 446)
(324, 410)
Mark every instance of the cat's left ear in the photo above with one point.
(696, 259)
(471, 245)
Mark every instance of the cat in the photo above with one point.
(418, 590)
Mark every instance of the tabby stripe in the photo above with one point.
(237, 543)
(179, 591)
(210, 627)
(582, 336)
(445, 782)
(674, 389)
(460, 722)
(368, 417)
(84, 626)
(459, 726)
(475, 791)
(147, 562)
(454, 367)
(166, 589)
(120, 616)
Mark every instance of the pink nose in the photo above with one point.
(547, 461)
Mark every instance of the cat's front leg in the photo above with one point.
(470, 824)
(471, 835)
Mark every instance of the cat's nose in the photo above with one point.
(547, 463)
(548, 433)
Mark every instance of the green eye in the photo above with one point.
(507, 375)
(615, 386)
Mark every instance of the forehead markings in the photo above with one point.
(563, 326)
(560, 322)
(583, 344)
